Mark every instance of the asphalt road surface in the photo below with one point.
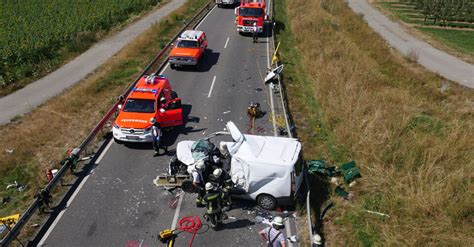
(118, 204)
(38, 92)
(435, 60)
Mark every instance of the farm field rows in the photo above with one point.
(448, 22)
(36, 36)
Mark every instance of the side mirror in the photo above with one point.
(236, 11)
(119, 106)
(162, 110)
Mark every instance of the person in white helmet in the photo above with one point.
(255, 32)
(273, 235)
(223, 180)
(213, 200)
(198, 181)
(317, 241)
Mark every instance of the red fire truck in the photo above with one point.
(248, 13)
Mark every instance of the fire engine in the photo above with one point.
(151, 100)
(248, 13)
(189, 49)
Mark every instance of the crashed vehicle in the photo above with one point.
(262, 167)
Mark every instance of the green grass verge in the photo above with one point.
(462, 41)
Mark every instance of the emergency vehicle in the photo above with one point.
(221, 3)
(189, 49)
(150, 100)
(248, 13)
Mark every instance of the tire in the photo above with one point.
(118, 141)
(266, 201)
(172, 66)
(187, 186)
(174, 95)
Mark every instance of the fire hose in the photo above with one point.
(190, 224)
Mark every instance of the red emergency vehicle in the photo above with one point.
(248, 13)
(151, 98)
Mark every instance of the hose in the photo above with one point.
(190, 224)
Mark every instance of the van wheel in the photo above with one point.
(187, 186)
(267, 202)
(172, 66)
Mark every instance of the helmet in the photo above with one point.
(255, 24)
(278, 220)
(162, 100)
(316, 239)
(152, 120)
(209, 186)
(217, 172)
(200, 165)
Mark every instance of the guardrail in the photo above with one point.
(73, 158)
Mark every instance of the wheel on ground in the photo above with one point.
(118, 141)
(172, 66)
(187, 186)
(266, 201)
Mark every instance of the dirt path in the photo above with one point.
(431, 58)
(38, 92)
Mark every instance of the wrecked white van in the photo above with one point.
(262, 167)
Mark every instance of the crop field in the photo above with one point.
(451, 22)
(34, 33)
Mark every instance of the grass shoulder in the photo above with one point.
(410, 131)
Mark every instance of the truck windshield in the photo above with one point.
(188, 44)
(139, 105)
(257, 12)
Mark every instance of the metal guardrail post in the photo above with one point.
(74, 156)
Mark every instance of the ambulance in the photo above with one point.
(189, 49)
(152, 99)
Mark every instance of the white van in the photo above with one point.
(262, 167)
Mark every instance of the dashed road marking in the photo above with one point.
(212, 86)
(227, 41)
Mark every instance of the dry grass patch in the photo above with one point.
(353, 98)
(40, 139)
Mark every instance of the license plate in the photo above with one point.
(132, 137)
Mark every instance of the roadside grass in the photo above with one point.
(39, 140)
(24, 73)
(352, 98)
(455, 37)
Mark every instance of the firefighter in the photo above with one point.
(213, 200)
(198, 181)
(156, 135)
(224, 181)
(255, 32)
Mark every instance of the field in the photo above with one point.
(37, 35)
(410, 131)
(39, 140)
(449, 22)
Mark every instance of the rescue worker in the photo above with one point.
(156, 135)
(273, 235)
(198, 181)
(255, 32)
(223, 180)
(213, 200)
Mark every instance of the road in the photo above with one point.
(38, 92)
(435, 60)
(118, 205)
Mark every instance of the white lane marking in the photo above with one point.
(164, 68)
(212, 86)
(206, 16)
(176, 213)
(227, 41)
(55, 222)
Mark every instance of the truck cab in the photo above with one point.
(189, 49)
(248, 13)
(151, 98)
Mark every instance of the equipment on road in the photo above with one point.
(190, 224)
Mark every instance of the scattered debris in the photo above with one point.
(19, 187)
(6, 200)
(377, 213)
(9, 151)
(226, 112)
